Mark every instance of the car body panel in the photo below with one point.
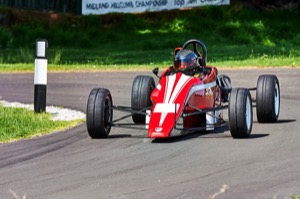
(177, 94)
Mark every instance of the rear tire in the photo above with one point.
(267, 99)
(99, 113)
(240, 113)
(140, 96)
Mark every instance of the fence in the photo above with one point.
(64, 6)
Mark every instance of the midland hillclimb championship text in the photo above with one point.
(131, 6)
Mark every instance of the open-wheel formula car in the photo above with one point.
(189, 97)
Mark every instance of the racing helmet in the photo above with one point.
(184, 59)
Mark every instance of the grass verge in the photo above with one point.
(21, 123)
(258, 61)
(234, 35)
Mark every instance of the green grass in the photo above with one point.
(235, 36)
(21, 123)
(292, 196)
(295, 196)
(232, 57)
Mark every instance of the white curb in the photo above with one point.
(58, 114)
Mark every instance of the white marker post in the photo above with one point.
(40, 75)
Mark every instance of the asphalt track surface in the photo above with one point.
(129, 165)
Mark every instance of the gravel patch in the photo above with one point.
(57, 113)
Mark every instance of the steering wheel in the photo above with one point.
(194, 43)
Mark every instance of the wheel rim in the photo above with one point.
(107, 113)
(276, 99)
(248, 113)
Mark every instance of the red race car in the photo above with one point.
(189, 97)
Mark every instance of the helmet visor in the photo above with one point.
(182, 64)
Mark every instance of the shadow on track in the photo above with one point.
(203, 134)
(194, 135)
(286, 121)
(258, 135)
(282, 121)
(118, 136)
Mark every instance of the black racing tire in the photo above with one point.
(142, 88)
(240, 113)
(267, 99)
(99, 113)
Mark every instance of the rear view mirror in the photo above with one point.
(155, 72)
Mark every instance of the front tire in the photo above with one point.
(142, 88)
(267, 98)
(99, 113)
(240, 113)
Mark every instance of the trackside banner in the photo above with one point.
(99, 7)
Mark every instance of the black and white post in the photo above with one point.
(40, 75)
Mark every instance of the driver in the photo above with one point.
(184, 59)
